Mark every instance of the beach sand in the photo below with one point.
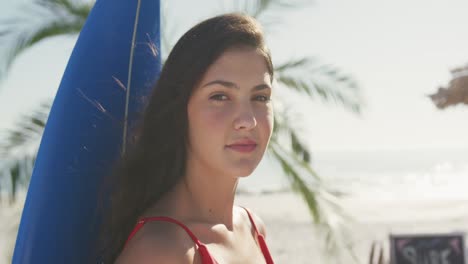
(291, 235)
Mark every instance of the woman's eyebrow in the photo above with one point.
(232, 85)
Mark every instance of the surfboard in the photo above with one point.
(113, 66)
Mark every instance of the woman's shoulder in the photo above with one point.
(257, 220)
(158, 242)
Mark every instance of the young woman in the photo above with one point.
(207, 124)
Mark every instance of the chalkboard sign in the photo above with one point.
(427, 249)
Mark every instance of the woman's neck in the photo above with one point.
(204, 197)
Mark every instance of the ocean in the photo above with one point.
(425, 174)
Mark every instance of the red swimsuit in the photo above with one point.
(204, 253)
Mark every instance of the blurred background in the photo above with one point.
(372, 96)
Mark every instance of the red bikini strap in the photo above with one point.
(251, 220)
(261, 240)
(142, 221)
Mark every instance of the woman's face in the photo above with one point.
(230, 114)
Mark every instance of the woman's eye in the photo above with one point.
(219, 97)
(262, 98)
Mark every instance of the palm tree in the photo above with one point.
(306, 76)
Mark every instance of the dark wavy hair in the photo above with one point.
(155, 162)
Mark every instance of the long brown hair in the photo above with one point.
(155, 162)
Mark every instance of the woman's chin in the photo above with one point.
(244, 172)
(244, 175)
(241, 168)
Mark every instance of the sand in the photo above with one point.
(293, 239)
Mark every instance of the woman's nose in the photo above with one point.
(245, 119)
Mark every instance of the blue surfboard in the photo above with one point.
(113, 67)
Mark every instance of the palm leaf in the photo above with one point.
(20, 171)
(284, 130)
(28, 129)
(297, 183)
(18, 149)
(62, 17)
(80, 9)
(309, 77)
(323, 205)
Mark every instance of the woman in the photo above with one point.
(207, 124)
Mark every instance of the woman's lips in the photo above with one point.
(244, 148)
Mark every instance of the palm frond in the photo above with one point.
(293, 64)
(324, 207)
(297, 183)
(80, 9)
(309, 77)
(19, 172)
(14, 177)
(58, 17)
(28, 129)
(18, 149)
(284, 130)
(323, 203)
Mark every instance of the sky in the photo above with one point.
(399, 52)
